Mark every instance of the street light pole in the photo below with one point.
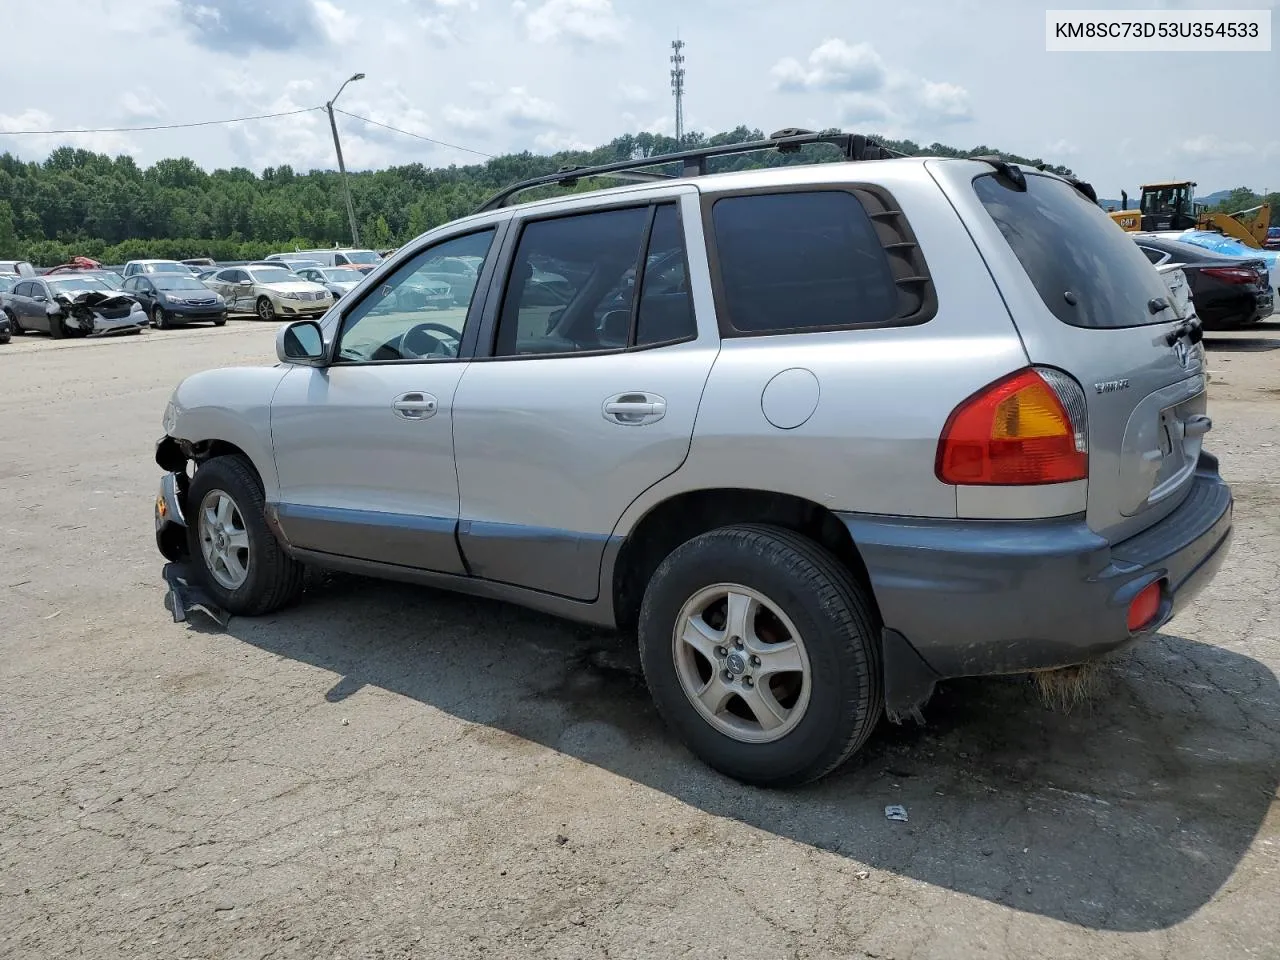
(342, 167)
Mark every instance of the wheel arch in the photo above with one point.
(685, 515)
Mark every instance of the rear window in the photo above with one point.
(800, 261)
(1087, 270)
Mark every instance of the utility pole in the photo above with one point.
(677, 87)
(342, 167)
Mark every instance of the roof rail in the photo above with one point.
(693, 163)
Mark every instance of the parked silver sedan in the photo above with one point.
(269, 292)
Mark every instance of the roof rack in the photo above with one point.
(693, 163)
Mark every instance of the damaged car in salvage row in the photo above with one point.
(72, 306)
(855, 428)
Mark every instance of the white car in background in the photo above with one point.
(135, 267)
(269, 292)
(337, 280)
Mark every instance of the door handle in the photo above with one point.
(633, 409)
(415, 406)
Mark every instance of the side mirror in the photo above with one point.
(301, 343)
(246, 283)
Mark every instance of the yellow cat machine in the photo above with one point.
(1172, 206)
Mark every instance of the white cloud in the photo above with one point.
(867, 91)
(634, 94)
(942, 103)
(553, 142)
(140, 106)
(520, 108)
(339, 25)
(1062, 148)
(1209, 148)
(43, 144)
(588, 21)
(465, 118)
(832, 65)
(438, 28)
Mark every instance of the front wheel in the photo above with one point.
(14, 325)
(158, 318)
(762, 653)
(265, 310)
(57, 329)
(235, 554)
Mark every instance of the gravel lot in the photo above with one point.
(388, 772)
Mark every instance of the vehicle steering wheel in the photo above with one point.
(418, 341)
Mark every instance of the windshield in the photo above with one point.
(179, 283)
(166, 268)
(112, 279)
(362, 256)
(272, 275)
(341, 275)
(6, 284)
(78, 285)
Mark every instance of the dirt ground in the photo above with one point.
(389, 772)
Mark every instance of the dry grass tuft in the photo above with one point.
(1068, 687)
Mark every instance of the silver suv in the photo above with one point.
(821, 434)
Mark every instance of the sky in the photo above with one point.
(497, 76)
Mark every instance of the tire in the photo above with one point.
(220, 323)
(272, 578)
(14, 325)
(839, 631)
(56, 330)
(265, 310)
(158, 319)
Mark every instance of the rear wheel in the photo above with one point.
(238, 559)
(762, 653)
(265, 310)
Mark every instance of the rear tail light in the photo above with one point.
(1232, 274)
(1026, 428)
(1144, 607)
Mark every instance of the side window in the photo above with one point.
(568, 290)
(131, 285)
(1155, 256)
(665, 312)
(340, 260)
(798, 261)
(414, 314)
(24, 289)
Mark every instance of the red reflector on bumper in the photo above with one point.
(1144, 607)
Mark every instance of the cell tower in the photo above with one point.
(677, 87)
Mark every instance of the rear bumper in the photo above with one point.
(977, 598)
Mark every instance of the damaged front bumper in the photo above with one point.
(171, 521)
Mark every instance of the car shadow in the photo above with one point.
(1126, 813)
(1223, 344)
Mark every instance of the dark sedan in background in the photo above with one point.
(170, 299)
(1227, 291)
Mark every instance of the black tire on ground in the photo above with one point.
(831, 612)
(274, 578)
(265, 309)
(14, 325)
(57, 329)
(158, 319)
(220, 323)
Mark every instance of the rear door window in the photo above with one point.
(799, 261)
(1088, 272)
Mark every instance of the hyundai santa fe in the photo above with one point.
(819, 435)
